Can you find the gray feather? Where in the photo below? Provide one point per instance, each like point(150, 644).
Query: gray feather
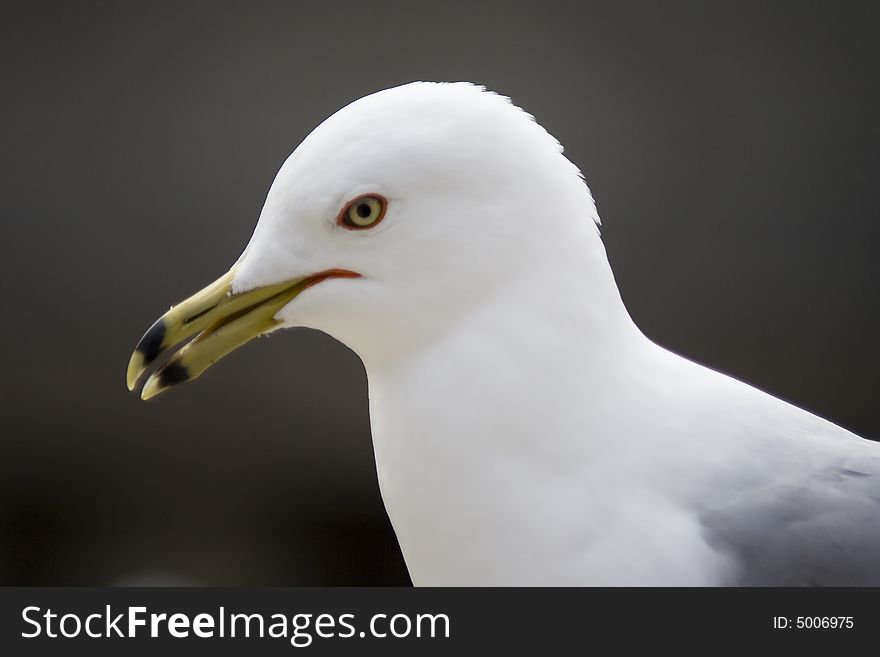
point(819, 530)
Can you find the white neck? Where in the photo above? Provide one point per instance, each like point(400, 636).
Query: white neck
point(456, 423)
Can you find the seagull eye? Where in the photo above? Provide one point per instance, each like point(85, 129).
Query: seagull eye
point(363, 212)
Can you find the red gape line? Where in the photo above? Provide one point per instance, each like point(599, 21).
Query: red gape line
point(314, 279)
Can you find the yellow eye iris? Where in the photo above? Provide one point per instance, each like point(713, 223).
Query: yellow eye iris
point(363, 212)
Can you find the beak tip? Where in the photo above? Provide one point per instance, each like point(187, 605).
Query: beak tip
point(151, 388)
point(135, 369)
point(162, 379)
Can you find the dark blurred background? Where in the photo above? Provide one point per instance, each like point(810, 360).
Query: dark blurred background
point(733, 149)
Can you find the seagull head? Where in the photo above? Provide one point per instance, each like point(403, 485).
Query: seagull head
point(396, 217)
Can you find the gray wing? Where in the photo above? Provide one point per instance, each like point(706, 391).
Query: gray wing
point(821, 529)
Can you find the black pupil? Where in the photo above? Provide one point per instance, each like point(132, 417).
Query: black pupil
point(364, 210)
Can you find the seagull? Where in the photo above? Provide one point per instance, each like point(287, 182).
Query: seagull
point(526, 432)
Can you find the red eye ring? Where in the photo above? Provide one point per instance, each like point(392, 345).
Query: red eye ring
point(362, 212)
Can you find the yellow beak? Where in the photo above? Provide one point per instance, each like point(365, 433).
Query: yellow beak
point(220, 321)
